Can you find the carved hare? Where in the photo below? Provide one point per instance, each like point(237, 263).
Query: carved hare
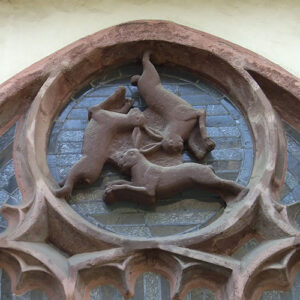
point(150, 181)
point(183, 121)
point(102, 128)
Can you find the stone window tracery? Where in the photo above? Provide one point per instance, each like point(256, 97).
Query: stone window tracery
point(55, 246)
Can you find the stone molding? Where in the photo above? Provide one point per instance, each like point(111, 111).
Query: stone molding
point(49, 246)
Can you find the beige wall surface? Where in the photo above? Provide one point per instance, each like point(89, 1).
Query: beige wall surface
point(33, 29)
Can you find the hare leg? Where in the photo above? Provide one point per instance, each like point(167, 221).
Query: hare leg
point(127, 192)
point(83, 170)
point(227, 189)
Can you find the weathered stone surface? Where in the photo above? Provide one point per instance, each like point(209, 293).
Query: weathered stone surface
point(245, 248)
point(224, 159)
point(82, 92)
point(254, 83)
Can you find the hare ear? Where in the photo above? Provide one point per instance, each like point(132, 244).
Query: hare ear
point(90, 113)
point(136, 137)
point(150, 148)
point(155, 134)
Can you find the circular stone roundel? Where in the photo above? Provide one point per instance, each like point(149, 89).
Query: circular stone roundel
point(75, 72)
point(105, 130)
point(68, 246)
point(183, 213)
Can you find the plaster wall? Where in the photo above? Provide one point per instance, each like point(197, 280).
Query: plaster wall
point(33, 29)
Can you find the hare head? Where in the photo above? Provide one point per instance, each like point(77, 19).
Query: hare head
point(172, 143)
point(137, 141)
point(137, 118)
point(129, 158)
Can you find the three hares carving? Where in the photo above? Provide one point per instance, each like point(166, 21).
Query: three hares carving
point(183, 122)
point(104, 124)
point(150, 181)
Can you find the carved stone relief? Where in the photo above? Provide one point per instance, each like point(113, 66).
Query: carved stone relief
point(105, 139)
point(47, 245)
point(187, 211)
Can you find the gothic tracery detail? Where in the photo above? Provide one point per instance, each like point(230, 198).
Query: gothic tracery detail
point(48, 245)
